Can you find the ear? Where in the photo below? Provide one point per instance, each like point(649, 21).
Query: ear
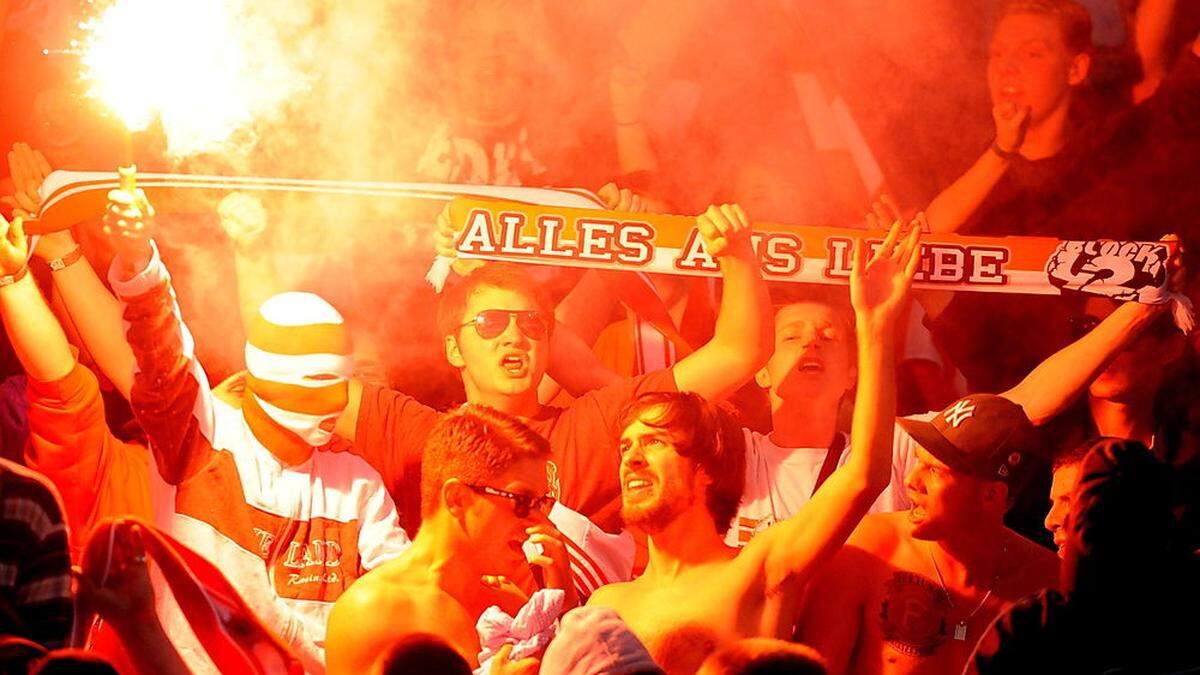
point(453, 355)
point(456, 497)
point(1081, 65)
point(762, 378)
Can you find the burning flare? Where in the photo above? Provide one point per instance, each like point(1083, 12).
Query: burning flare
point(205, 69)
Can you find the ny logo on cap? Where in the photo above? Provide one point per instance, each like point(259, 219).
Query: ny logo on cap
point(959, 412)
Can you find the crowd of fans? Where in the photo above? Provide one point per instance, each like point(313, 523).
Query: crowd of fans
point(736, 477)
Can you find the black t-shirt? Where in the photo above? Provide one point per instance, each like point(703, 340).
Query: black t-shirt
point(1129, 176)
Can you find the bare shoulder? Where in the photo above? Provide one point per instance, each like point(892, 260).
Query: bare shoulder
point(879, 532)
point(370, 615)
point(610, 595)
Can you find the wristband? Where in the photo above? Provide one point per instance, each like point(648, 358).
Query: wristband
point(10, 279)
point(1004, 154)
point(65, 261)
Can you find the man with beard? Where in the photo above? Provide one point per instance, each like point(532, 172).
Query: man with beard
point(682, 472)
point(483, 495)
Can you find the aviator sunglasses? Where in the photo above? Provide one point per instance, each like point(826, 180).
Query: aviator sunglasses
point(523, 505)
point(492, 322)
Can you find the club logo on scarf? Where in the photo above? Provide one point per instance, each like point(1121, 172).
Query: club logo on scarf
point(1121, 270)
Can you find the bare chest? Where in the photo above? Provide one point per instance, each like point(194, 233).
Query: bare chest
point(684, 621)
point(913, 624)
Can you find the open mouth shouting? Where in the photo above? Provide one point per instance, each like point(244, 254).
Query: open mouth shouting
point(810, 365)
point(515, 364)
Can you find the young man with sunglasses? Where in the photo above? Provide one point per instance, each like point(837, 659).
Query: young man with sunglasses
point(499, 334)
point(483, 499)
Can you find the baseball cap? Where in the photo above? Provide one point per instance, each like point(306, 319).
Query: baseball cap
point(982, 435)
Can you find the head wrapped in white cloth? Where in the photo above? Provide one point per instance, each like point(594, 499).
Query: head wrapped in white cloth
point(298, 360)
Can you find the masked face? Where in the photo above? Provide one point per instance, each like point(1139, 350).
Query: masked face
point(297, 366)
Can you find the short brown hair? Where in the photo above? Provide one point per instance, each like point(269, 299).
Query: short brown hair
point(475, 444)
point(505, 276)
point(708, 435)
point(1073, 19)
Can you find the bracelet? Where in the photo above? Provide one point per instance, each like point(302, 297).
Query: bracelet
point(1004, 154)
point(65, 261)
point(10, 279)
point(628, 124)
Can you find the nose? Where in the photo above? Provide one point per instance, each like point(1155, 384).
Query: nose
point(913, 481)
point(633, 458)
point(1053, 517)
point(512, 335)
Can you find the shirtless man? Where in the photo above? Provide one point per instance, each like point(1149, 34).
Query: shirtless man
point(483, 493)
point(682, 472)
point(912, 592)
point(907, 618)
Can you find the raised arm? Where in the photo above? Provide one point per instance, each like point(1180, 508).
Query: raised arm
point(955, 205)
point(170, 397)
point(743, 337)
point(1055, 383)
point(36, 337)
point(91, 308)
point(1152, 24)
point(879, 290)
point(244, 219)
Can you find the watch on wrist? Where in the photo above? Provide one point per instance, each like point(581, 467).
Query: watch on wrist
point(10, 279)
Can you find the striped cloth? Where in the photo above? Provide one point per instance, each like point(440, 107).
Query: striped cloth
point(35, 563)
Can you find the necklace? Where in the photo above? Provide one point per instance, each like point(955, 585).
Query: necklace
point(960, 628)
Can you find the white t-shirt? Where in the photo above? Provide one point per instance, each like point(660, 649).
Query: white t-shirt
point(780, 480)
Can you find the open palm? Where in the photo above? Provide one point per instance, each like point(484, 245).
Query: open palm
point(880, 287)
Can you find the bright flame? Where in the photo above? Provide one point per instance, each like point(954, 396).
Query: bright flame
point(205, 68)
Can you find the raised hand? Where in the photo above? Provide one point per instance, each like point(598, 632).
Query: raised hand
point(28, 168)
point(127, 223)
point(726, 231)
point(1011, 123)
point(555, 564)
point(243, 218)
point(879, 288)
point(620, 199)
point(14, 247)
point(443, 242)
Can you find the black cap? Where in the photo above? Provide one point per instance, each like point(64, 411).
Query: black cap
point(981, 435)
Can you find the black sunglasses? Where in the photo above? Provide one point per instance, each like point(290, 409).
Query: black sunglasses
point(492, 322)
point(522, 504)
